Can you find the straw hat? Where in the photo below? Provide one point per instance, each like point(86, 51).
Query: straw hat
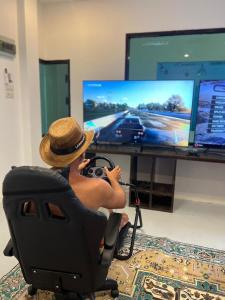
point(64, 142)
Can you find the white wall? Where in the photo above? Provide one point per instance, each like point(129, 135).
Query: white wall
point(29, 80)
point(92, 34)
point(11, 148)
point(20, 123)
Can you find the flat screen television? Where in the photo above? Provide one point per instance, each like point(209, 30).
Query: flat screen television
point(210, 125)
point(155, 112)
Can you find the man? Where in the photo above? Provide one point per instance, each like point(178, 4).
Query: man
point(65, 145)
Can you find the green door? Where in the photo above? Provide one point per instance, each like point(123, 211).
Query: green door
point(55, 91)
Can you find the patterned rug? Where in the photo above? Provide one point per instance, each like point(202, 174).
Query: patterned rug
point(159, 269)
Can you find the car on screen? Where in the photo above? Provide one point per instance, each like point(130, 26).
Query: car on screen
point(130, 127)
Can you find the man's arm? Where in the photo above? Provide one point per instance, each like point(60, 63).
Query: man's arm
point(113, 196)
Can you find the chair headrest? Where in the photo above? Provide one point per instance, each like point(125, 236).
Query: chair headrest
point(28, 179)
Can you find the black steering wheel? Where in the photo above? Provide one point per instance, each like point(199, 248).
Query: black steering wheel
point(95, 171)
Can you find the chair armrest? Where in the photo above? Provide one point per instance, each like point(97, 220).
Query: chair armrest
point(107, 257)
point(8, 251)
point(110, 238)
point(112, 230)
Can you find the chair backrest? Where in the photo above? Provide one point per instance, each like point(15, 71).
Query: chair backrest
point(54, 251)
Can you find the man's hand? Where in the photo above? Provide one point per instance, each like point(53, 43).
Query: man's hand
point(84, 163)
point(113, 175)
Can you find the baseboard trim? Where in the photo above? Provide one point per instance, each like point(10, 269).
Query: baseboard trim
point(185, 197)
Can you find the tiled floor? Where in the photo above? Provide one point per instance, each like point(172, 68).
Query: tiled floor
point(192, 222)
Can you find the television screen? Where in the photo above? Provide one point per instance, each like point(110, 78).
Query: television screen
point(210, 125)
point(140, 112)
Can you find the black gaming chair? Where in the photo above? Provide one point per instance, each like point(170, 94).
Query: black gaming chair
point(57, 252)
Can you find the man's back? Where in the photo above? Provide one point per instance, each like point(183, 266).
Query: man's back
point(95, 192)
point(88, 190)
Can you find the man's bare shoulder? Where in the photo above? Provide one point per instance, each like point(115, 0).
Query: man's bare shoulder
point(97, 182)
point(96, 192)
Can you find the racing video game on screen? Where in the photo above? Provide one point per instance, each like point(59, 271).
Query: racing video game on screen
point(139, 112)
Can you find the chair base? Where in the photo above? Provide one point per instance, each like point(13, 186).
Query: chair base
point(73, 296)
point(31, 290)
point(109, 285)
point(112, 285)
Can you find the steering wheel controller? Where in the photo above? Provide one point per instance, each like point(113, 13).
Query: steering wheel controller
point(91, 170)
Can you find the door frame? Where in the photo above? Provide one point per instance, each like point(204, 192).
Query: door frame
point(60, 61)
